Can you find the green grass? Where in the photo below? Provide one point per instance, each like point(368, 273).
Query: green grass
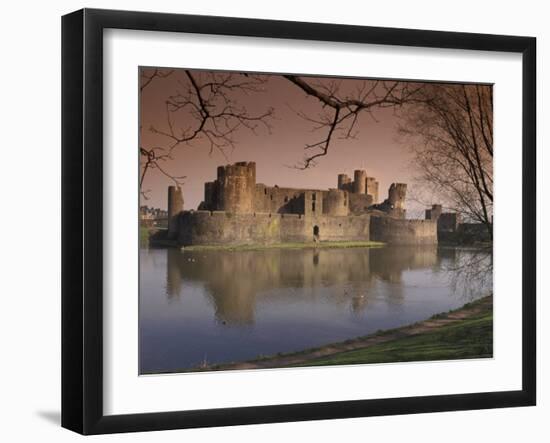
point(291, 245)
point(467, 334)
point(465, 337)
point(468, 338)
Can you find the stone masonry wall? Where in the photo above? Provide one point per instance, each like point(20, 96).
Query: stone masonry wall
point(403, 232)
point(221, 228)
point(336, 202)
point(359, 203)
point(278, 200)
point(225, 228)
point(339, 228)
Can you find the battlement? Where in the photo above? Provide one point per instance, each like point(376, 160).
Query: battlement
point(362, 184)
point(242, 169)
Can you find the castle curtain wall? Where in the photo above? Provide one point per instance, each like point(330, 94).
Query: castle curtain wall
point(403, 232)
point(226, 228)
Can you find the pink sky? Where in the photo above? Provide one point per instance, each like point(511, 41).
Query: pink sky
point(375, 148)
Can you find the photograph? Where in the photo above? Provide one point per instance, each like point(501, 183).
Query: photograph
point(275, 221)
point(298, 220)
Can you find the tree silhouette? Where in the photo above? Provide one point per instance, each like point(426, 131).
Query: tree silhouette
point(450, 132)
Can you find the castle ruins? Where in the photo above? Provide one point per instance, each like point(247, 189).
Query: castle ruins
point(238, 210)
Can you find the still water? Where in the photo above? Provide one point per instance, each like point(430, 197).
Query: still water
point(222, 306)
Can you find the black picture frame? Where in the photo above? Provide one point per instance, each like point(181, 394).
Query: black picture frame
point(82, 218)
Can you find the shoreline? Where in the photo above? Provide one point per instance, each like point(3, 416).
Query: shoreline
point(462, 333)
point(287, 245)
point(156, 238)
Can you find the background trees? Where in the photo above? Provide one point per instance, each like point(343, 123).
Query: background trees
point(450, 132)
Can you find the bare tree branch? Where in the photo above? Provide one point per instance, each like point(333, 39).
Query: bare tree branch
point(152, 161)
point(146, 78)
point(342, 108)
point(450, 135)
point(205, 109)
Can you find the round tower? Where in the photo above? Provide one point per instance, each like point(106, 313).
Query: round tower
point(236, 187)
point(359, 181)
point(175, 206)
point(343, 180)
point(336, 202)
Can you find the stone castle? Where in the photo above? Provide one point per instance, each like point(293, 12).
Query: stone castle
point(237, 210)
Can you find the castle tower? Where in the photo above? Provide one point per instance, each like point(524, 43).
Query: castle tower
point(210, 196)
point(345, 183)
point(359, 181)
point(236, 186)
point(175, 206)
point(372, 189)
point(336, 202)
point(397, 194)
point(343, 180)
point(434, 213)
point(313, 203)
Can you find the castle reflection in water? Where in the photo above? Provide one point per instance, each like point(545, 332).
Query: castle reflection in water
point(236, 281)
point(223, 306)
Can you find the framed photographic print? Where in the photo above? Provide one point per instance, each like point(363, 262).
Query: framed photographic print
point(270, 221)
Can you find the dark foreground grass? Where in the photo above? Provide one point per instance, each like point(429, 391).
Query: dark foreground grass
point(467, 338)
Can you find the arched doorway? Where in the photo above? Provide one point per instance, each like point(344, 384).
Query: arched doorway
point(316, 233)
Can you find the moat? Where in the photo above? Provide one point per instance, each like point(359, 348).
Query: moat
point(208, 307)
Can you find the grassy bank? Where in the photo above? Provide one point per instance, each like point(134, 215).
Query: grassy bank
point(310, 245)
point(463, 333)
point(468, 338)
